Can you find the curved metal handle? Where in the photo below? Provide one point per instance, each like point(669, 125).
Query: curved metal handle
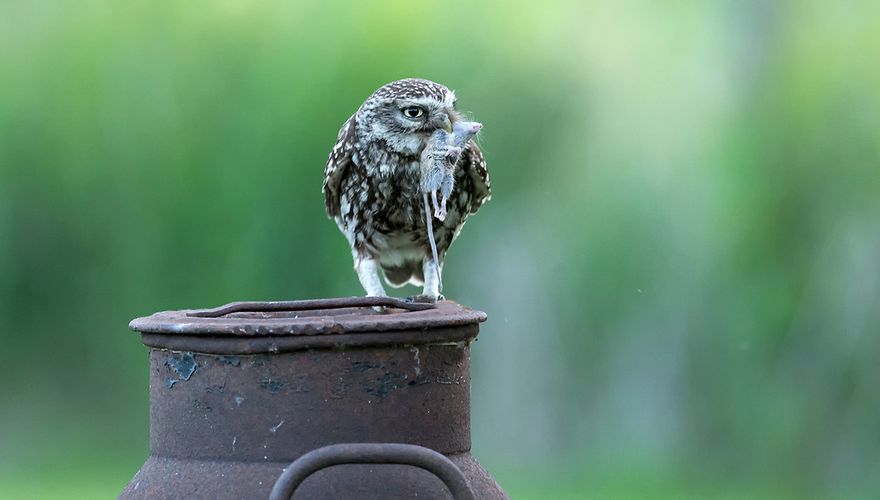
point(372, 453)
point(311, 304)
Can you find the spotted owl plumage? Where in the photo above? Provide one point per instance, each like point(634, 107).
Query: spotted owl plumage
point(372, 184)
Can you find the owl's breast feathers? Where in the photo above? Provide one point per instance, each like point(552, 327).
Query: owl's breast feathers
point(373, 193)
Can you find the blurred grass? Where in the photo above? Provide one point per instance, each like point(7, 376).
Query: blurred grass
point(91, 482)
point(91, 485)
point(679, 262)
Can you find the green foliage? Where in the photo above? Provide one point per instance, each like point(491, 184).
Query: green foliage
point(680, 262)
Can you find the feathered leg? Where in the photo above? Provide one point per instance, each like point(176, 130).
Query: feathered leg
point(433, 283)
point(368, 274)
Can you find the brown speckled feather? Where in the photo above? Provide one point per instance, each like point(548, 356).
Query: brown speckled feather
point(474, 165)
point(337, 166)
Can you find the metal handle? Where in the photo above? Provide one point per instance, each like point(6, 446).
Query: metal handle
point(372, 453)
point(311, 304)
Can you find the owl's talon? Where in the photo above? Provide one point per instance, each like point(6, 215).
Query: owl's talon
point(424, 299)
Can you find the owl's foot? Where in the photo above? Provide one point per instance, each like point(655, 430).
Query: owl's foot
point(425, 299)
point(380, 309)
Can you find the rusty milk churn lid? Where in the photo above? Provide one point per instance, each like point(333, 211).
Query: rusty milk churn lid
point(272, 327)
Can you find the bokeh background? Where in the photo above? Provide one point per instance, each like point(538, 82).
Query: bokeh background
point(681, 262)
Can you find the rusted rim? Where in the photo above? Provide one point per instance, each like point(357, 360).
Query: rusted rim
point(210, 344)
point(344, 315)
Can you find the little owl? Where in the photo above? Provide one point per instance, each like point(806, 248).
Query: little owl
point(372, 185)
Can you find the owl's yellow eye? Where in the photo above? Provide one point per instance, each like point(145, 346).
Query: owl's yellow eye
point(413, 112)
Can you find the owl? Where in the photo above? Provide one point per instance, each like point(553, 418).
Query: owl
point(372, 185)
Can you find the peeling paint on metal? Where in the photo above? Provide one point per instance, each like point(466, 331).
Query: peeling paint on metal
point(271, 385)
point(230, 360)
point(363, 366)
point(275, 428)
point(384, 385)
point(418, 367)
point(183, 364)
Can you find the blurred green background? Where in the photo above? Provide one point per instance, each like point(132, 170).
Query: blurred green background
point(681, 262)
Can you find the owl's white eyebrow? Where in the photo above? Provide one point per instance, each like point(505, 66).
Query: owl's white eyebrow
point(425, 102)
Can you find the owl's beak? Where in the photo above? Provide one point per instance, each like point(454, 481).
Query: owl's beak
point(447, 123)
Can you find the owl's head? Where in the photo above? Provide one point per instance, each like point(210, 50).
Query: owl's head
point(404, 114)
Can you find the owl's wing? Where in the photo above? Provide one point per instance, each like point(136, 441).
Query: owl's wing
point(337, 164)
point(473, 163)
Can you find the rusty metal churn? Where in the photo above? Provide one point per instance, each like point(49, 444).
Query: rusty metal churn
point(311, 399)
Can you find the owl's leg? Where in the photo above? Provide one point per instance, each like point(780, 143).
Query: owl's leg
point(368, 274)
point(433, 283)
